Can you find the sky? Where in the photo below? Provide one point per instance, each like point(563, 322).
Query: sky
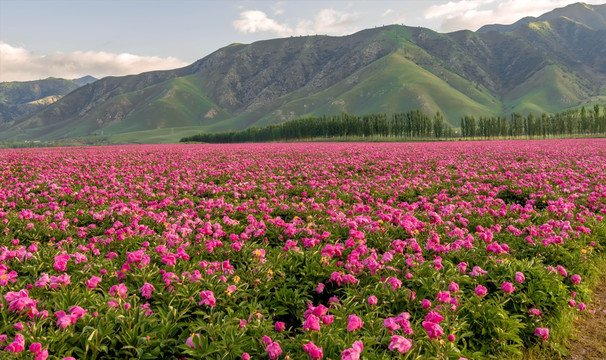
point(74, 38)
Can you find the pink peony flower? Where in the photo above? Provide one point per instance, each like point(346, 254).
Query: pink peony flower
point(35, 348)
point(576, 279)
point(274, 350)
point(372, 300)
point(279, 326)
point(77, 312)
point(16, 346)
point(354, 323)
point(44, 279)
point(434, 316)
point(328, 319)
point(63, 320)
point(507, 287)
point(61, 262)
point(208, 298)
point(426, 304)
point(119, 290)
point(146, 290)
point(433, 330)
point(42, 355)
point(354, 352)
point(443, 297)
point(313, 351)
point(481, 290)
point(535, 312)
point(391, 324)
point(312, 323)
point(543, 333)
point(92, 282)
point(453, 287)
point(320, 288)
point(190, 341)
point(520, 277)
point(400, 343)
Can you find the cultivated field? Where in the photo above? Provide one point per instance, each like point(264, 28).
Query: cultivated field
point(320, 250)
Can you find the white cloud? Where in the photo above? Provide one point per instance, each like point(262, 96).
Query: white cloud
point(19, 64)
point(252, 21)
point(454, 8)
point(387, 12)
point(326, 21)
point(472, 14)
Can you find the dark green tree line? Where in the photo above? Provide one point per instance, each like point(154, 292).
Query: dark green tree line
point(416, 124)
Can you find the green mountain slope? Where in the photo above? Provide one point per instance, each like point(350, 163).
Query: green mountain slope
point(545, 64)
point(20, 98)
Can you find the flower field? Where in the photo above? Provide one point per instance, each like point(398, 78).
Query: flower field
point(452, 250)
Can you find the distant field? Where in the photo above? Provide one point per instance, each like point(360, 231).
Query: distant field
point(473, 250)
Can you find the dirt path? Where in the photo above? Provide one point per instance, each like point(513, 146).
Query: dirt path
point(590, 329)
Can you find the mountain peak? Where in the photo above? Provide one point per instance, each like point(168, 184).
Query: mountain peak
point(84, 80)
point(593, 16)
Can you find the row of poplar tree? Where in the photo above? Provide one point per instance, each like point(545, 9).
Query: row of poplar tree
point(415, 124)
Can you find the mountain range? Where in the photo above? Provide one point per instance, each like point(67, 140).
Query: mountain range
point(22, 98)
point(546, 64)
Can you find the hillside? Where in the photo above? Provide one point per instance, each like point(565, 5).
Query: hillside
point(20, 98)
point(545, 64)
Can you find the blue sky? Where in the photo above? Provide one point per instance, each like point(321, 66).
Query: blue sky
point(72, 38)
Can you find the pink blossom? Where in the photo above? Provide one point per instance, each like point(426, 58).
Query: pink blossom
point(434, 316)
point(372, 300)
point(59, 281)
point(61, 262)
point(576, 279)
point(520, 277)
point(481, 290)
point(119, 290)
point(400, 343)
point(320, 288)
point(391, 324)
point(77, 312)
point(279, 326)
point(354, 323)
point(426, 304)
point(17, 345)
point(92, 282)
point(35, 348)
point(44, 279)
point(146, 290)
point(443, 297)
point(535, 312)
point(42, 355)
point(433, 330)
point(312, 323)
point(208, 298)
point(313, 351)
point(190, 341)
point(543, 333)
point(354, 352)
point(274, 350)
point(507, 287)
point(328, 319)
point(63, 320)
